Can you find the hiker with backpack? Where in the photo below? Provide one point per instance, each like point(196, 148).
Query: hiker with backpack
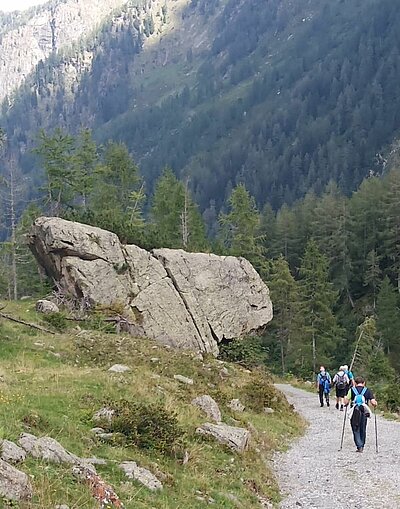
point(341, 382)
point(323, 385)
point(350, 376)
point(360, 397)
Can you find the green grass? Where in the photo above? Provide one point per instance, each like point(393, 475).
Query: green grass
point(56, 395)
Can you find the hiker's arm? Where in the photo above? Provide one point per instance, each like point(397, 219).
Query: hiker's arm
point(373, 402)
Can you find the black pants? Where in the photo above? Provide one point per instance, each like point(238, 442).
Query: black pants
point(360, 431)
point(321, 395)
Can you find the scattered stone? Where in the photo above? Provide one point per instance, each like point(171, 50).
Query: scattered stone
point(224, 373)
point(155, 359)
point(184, 379)
point(104, 415)
point(268, 410)
point(209, 406)
point(11, 453)
point(62, 506)
point(46, 448)
point(119, 368)
point(14, 484)
point(97, 430)
point(142, 475)
point(39, 343)
point(236, 405)
point(93, 461)
point(101, 491)
point(235, 438)
point(46, 307)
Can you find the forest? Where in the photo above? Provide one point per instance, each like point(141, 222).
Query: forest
point(332, 262)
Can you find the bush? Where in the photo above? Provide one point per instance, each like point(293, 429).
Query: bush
point(248, 352)
point(57, 320)
point(148, 426)
point(260, 393)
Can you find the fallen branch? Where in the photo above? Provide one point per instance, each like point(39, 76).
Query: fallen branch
point(28, 324)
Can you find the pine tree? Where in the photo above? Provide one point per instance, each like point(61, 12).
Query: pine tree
point(176, 220)
point(317, 299)
point(391, 232)
point(240, 228)
point(285, 297)
point(372, 276)
point(388, 321)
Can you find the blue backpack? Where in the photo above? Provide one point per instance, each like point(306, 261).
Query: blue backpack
point(324, 381)
point(359, 398)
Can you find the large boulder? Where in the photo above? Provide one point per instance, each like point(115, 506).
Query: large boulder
point(186, 300)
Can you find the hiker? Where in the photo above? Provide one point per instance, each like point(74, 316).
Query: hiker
point(341, 383)
point(323, 385)
point(350, 375)
point(360, 397)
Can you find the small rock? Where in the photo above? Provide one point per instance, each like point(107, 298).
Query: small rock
point(142, 475)
point(104, 415)
point(97, 430)
point(184, 379)
point(268, 410)
point(235, 438)
point(119, 368)
point(46, 307)
point(11, 453)
point(236, 405)
point(38, 343)
point(94, 461)
point(155, 359)
point(46, 448)
point(224, 373)
point(209, 406)
point(62, 506)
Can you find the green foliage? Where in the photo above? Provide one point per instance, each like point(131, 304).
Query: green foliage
point(57, 320)
point(148, 426)
point(248, 352)
point(260, 393)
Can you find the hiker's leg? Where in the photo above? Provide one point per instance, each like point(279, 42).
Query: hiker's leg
point(321, 395)
point(363, 430)
point(357, 436)
point(327, 398)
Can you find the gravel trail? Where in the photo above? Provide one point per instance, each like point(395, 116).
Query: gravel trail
point(314, 474)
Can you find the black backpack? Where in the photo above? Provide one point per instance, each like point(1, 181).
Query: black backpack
point(341, 382)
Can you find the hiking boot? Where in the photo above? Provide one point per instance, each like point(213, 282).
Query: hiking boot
point(341, 408)
point(327, 403)
point(360, 449)
point(337, 406)
point(322, 404)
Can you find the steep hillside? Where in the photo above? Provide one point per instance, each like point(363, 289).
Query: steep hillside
point(52, 385)
point(278, 94)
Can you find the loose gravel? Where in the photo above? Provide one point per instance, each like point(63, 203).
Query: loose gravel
point(314, 474)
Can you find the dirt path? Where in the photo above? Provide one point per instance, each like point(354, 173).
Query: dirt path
point(314, 474)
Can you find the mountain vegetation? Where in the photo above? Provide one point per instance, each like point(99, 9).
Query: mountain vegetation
point(262, 129)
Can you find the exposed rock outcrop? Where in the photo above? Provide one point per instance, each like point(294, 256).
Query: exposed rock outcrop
point(142, 475)
point(209, 406)
point(186, 300)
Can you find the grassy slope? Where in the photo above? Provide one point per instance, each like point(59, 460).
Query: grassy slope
point(47, 394)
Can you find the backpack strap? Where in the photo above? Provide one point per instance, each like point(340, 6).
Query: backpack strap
point(355, 391)
point(363, 391)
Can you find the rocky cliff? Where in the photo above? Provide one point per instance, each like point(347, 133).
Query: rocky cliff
point(186, 300)
point(54, 27)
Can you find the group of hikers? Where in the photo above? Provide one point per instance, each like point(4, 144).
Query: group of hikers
point(351, 391)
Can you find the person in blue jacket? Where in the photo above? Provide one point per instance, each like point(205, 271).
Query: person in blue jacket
point(323, 384)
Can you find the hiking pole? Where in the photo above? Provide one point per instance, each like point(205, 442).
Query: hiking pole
point(344, 424)
point(376, 433)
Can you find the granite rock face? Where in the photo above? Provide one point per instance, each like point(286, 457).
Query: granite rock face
point(186, 300)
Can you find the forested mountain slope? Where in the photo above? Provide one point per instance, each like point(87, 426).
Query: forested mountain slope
point(280, 95)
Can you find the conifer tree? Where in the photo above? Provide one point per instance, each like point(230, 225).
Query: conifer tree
point(240, 228)
point(285, 298)
point(391, 232)
point(372, 276)
point(176, 220)
point(388, 320)
point(317, 298)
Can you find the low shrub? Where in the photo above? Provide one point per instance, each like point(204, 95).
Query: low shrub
point(148, 426)
point(248, 352)
point(57, 320)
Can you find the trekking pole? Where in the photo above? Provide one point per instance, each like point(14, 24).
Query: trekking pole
point(376, 433)
point(344, 424)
